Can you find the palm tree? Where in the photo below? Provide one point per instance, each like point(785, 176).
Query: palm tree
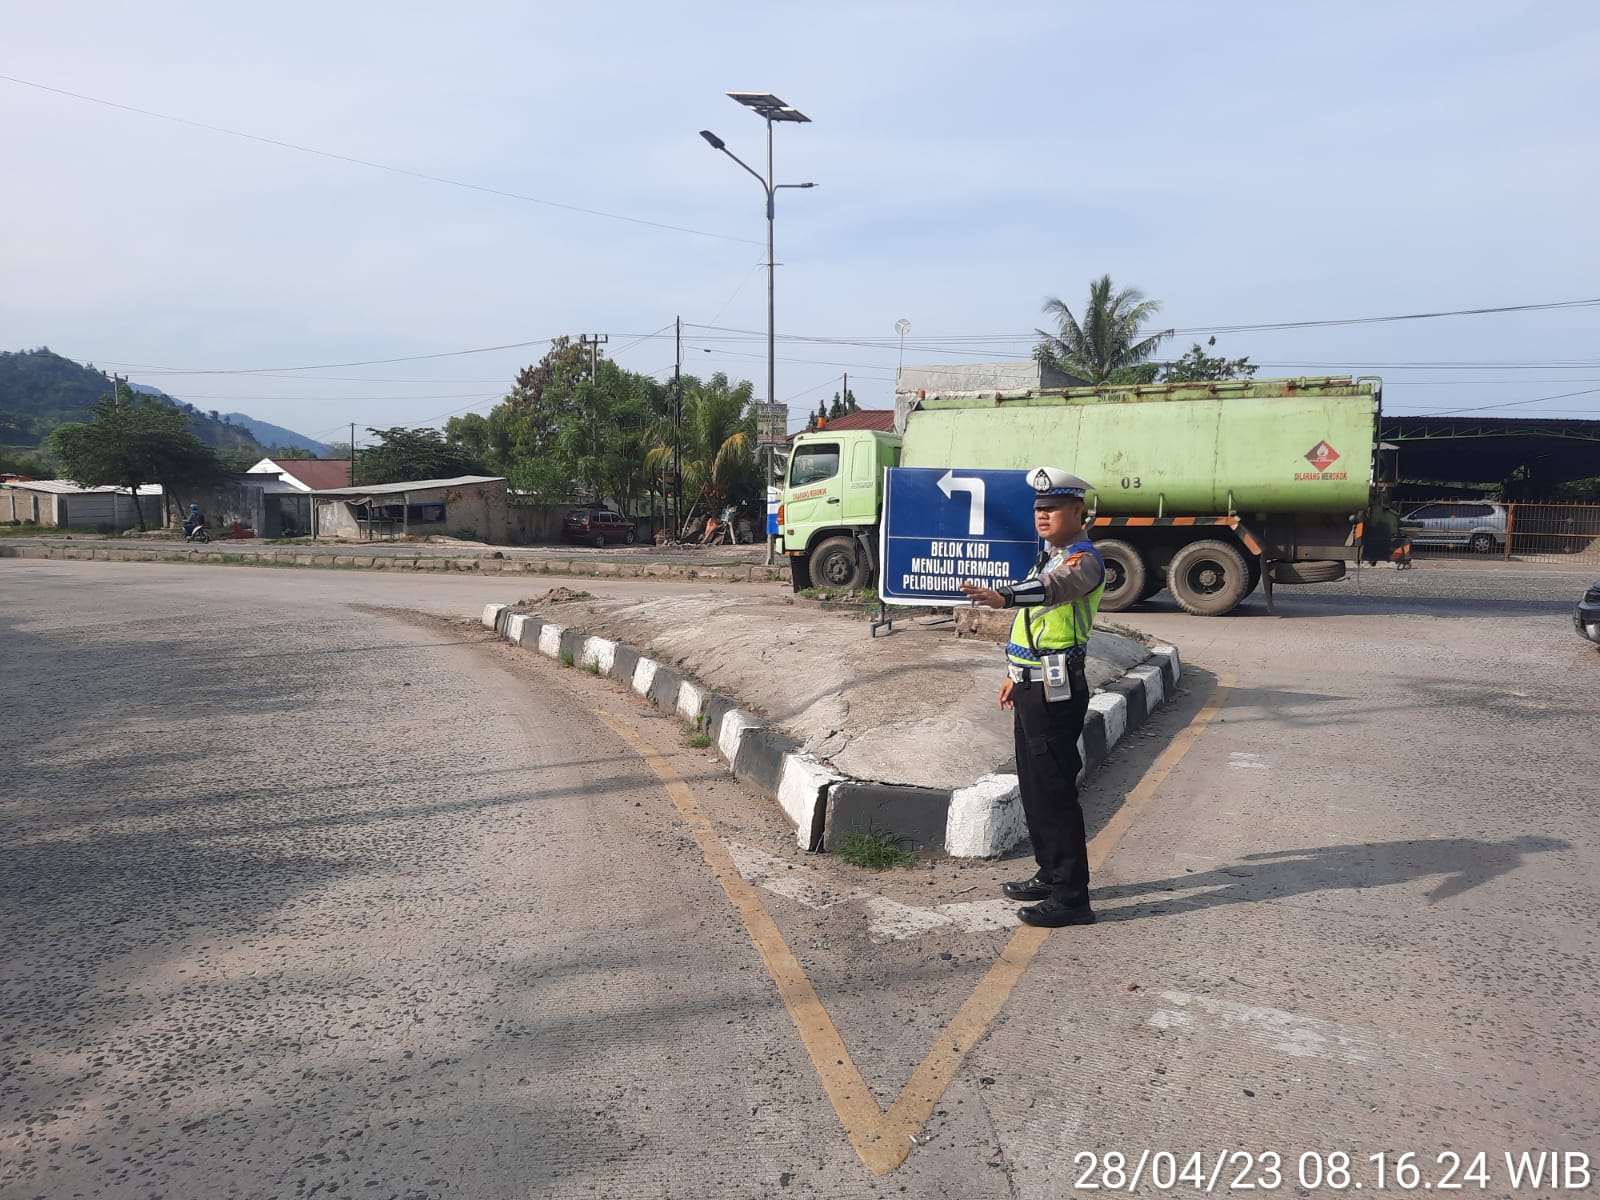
point(1108, 343)
point(715, 444)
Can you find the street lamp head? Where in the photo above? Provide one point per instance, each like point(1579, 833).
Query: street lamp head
point(713, 140)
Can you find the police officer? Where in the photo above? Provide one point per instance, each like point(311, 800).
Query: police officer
point(1047, 692)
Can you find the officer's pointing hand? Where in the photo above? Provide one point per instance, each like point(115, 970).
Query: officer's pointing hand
point(987, 597)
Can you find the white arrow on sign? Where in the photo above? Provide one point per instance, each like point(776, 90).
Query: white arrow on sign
point(949, 482)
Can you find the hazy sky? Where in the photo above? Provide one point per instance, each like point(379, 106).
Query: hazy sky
point(1242, 163)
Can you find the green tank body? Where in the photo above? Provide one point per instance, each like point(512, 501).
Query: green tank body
point(1257, 446)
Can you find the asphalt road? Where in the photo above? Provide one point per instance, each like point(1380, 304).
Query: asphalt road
point(307, 898)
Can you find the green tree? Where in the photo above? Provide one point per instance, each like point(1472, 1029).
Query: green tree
point(717, 456)
point(1198, 366)
point(597, 428)
point(30, 466)
point(561, 433)
point(1109, 345)
point(403, 454)
point(473, 434)
point(134, 440)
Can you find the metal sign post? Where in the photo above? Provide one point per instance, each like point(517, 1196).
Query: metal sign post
point(944, 526)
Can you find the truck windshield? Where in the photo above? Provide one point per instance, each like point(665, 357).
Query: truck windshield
point(813, 464)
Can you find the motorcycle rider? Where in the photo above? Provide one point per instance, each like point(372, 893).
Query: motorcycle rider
point(195, 520)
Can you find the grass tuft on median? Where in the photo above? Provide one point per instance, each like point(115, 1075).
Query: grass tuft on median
point(875, 850)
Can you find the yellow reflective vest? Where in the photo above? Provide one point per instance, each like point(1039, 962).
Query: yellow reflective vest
point(1061, 626)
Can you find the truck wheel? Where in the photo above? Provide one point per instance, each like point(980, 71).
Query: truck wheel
point(1481, 543)
point(835, 564)
point(1126, 575)
point(1322, 570)
point(1208, 578)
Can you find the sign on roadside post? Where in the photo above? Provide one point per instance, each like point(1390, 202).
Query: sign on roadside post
point(772, 424)
point(942, 526)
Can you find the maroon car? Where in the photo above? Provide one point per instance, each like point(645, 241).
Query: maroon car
point(598, 526)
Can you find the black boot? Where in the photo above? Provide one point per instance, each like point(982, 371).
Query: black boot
point(1054, 914)
point(1026, 889)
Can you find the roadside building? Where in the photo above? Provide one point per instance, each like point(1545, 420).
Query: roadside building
point(881, 419)
point(62, 504)
point(974, 379)
point(254, 502)
point(472, 507)
point(307, 474)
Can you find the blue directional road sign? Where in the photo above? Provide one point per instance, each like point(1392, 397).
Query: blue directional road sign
point(942, 526)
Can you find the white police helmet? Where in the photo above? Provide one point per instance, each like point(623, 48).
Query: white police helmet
point(1052, 486)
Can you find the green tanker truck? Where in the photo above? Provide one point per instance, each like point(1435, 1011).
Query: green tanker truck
point(1206, 489)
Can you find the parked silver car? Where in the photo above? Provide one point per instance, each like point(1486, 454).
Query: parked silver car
point(1478, 525)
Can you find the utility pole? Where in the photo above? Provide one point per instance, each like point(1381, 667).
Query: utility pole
point(352, 454)
point(844, 396)
point(594, 342)
point(677, 430)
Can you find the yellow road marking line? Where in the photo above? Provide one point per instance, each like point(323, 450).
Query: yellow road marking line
point(881, 1139)
point(914, 1105)
point(853, 1101)
point(1111, 833)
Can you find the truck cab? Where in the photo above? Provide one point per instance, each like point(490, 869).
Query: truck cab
point(828, 510)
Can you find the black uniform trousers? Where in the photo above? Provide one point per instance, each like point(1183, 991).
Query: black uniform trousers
point(1048, 763)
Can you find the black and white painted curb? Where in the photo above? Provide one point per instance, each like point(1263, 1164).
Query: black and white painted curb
point(978, 821)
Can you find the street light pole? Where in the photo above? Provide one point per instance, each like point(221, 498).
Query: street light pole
point(770, 109)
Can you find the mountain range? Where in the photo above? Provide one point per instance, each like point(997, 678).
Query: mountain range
point(40, 389)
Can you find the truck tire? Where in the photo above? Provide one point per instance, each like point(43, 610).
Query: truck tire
point(1322, 570)
point(1127, 576)
point(835, 564)
point(1208, 578)
point(1482, 543)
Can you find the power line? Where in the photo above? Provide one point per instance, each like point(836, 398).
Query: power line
point(189, 396)
point(958, 343)
point(643, 338)
point(1451, 412)
point(370, 362)
point(937, 342)
point(377, 166)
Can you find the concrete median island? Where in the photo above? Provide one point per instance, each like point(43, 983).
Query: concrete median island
point(896, 753)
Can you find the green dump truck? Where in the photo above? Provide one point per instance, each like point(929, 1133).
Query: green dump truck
point(1206, 489)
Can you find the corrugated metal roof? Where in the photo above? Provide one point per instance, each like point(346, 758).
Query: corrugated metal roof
point(863, 418)
point(412, 485)
point(64, 487)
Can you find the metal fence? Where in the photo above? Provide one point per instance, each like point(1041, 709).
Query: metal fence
point(1526, 532)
